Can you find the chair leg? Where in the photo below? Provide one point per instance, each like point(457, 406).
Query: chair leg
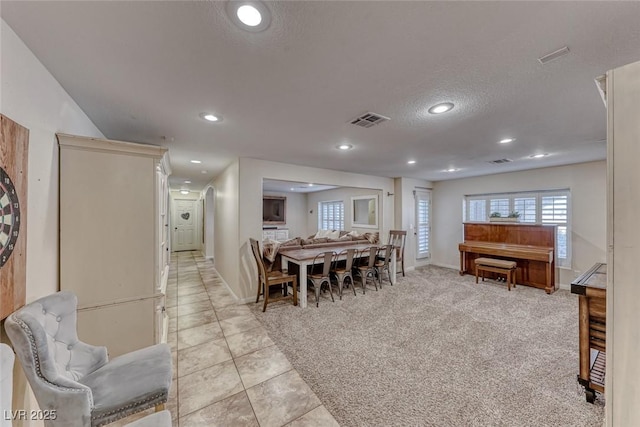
point(373, 279)
point(353, 285)
point(402, 262)
point(331, 292)
point(266, 298)
point(260, 285)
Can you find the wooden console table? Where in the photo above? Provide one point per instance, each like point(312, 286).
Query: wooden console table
point(592, 312)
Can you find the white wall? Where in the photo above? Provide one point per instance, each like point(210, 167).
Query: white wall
point(587, 182)
point(209, 208)
point(252, 172)
point(296, 212)
point(345, 194)
point(226, 222)
point(30, 96)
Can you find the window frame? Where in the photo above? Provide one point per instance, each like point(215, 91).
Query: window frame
point(539, 195)
point(321, 214)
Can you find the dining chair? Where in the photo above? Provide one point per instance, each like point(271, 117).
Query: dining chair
point(319, 274)
point(272, 278)
point(344, 273)
point(382, 262)
point(367, 269)
point(397, 238)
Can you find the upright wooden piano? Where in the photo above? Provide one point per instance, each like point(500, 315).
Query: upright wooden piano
point(531, 246)
point(592, 313)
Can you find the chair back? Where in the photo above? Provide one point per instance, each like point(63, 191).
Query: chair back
point(262, 271)
point(373, 251)
point(324, 258)
point(44, 336)
point(397, 238)
point(348, 255)
point(386, 250)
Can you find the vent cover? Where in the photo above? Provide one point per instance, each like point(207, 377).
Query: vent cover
point(554, 55)
point(500, 161)
point(368, 120)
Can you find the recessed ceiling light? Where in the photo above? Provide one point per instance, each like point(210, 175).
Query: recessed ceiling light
point(310, 185)
point(203, 171)
point(197, 162)
point(210, 117)
point(184, 191)
point(249, 15)
point(411, 162)
point(441, 108)
point(537, 156)
point(345, 147)
point(293, 189)
point(187, 182)
point(451, 170)
point(507, 140)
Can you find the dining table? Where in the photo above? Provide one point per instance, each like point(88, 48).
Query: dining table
point(304, 258)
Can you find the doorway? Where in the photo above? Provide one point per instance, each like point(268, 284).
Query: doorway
point(185, 233)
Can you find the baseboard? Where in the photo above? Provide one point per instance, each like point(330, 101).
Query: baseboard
point(224, 282)
point(452, 267)
point(246, 300)
point(565, 287)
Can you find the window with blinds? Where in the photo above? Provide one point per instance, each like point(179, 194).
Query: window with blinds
point(537, 207)
point(423, 223)
point(331, 215)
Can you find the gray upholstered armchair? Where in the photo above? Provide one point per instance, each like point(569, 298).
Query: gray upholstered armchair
point(77, 379)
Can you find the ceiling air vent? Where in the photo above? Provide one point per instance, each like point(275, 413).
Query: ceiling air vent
point(554, 55)
point(369, 119)
point(500, 161)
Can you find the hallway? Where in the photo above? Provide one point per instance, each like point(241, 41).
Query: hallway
point(227, 371)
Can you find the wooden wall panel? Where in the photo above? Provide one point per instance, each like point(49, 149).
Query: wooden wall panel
point(14, 148)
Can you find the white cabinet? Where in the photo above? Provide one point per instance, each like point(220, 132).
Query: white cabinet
point(623, 235)
point(114, 239)
point(276, 234)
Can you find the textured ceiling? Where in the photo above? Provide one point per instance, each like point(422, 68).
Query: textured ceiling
point(144, 71)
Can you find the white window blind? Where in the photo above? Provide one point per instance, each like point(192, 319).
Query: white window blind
point(555, 210)
point(331, 215)
point(477, 210)
point(526, 207)
point(423, 223)
point(536, 207)
point(500, 206)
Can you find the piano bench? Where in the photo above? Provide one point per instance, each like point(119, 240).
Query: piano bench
point(500, 266)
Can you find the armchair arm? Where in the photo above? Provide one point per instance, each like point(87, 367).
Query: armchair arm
point(69, 403)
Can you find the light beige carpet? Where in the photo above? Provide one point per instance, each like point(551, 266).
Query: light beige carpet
point(439, 350)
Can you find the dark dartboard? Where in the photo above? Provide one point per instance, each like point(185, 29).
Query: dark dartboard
point(9, 217)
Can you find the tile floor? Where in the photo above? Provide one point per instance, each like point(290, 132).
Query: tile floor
point(226, 369)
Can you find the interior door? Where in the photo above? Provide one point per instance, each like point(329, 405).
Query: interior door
point(184, 225)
